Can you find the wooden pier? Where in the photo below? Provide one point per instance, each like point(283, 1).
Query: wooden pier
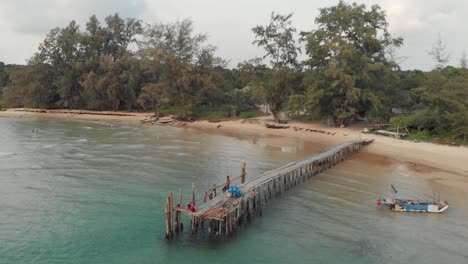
point(221, 213)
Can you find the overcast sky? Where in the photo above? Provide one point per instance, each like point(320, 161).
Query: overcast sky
point(24, 23)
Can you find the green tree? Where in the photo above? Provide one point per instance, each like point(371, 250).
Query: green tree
point(113, 84)
point(463, 60)
point(3, 75)
point(278, 40)
point(349, 73)
point(119, 34)
point(296, 105)
point(181, 62)
point(439, 53)
point(61, 50)
point(29, 87)
point(443, 104)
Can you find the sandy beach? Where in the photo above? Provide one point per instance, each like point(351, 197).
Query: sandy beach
point(440, 164)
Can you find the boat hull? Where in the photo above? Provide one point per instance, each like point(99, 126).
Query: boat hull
point(399, 205)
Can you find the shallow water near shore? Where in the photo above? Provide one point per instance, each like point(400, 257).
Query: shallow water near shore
point(90, 192)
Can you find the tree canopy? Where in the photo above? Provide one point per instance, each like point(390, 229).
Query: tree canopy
point(350, 70)
point(278, 40)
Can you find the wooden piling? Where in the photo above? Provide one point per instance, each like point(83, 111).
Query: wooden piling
point(166, 211)
point(230, 222)
point(169, 216)
point(171, 209)
point(213, 191)
point(243, 174)
point(193, 193)
point(228, 182)
point(178, 213)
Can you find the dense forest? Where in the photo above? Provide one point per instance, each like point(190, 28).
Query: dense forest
point(350, 71)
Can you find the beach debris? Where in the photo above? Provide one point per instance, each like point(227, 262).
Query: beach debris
point(166, 120)
point(391, 134)
point(149, 120)
point(218, 126)
point(273, 126)
point(365, 130)
point(446, 142)
point(215, 120)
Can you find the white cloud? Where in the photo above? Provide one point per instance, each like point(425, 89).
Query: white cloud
point(25, 23)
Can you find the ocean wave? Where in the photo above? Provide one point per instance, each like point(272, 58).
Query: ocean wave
point(169, 147)
point(188, 142)
point(4, 154)
point(183, 154)
point(82, 140)
point(289, 149)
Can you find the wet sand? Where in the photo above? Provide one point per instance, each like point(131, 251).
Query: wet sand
point(443, 166)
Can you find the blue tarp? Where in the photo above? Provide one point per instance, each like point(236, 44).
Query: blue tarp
point(416, 207)
point(235, 192)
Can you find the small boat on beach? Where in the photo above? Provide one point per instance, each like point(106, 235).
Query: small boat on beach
point(412, 205)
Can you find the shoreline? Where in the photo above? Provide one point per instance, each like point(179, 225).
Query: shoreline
point(447, 164)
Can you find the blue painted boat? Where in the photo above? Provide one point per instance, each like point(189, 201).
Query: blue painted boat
point(407, 205)
point(410, 205)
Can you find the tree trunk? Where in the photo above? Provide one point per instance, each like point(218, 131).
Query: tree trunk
point(275, 115)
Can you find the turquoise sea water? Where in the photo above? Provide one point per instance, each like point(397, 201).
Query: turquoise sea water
point(90, 192)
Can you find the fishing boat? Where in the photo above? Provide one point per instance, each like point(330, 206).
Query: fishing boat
point(407, 205)
point(411, 205)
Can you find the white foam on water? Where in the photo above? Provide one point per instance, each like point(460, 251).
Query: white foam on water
point(4, 154)
point(188, 142)
point(82, 140)
point(183, 154)
point(169, 147)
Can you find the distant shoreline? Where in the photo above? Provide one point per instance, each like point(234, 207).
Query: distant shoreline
point(446, 165)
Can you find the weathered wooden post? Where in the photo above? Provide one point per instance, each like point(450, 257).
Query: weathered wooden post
point(169, 216)
point(230, 222)
point(178, 213)
point(228, 182)
point(193, 193)
point(213, 191)
point(192, 222)
point(171, 209)
point(166, 216)
point(243, 174)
